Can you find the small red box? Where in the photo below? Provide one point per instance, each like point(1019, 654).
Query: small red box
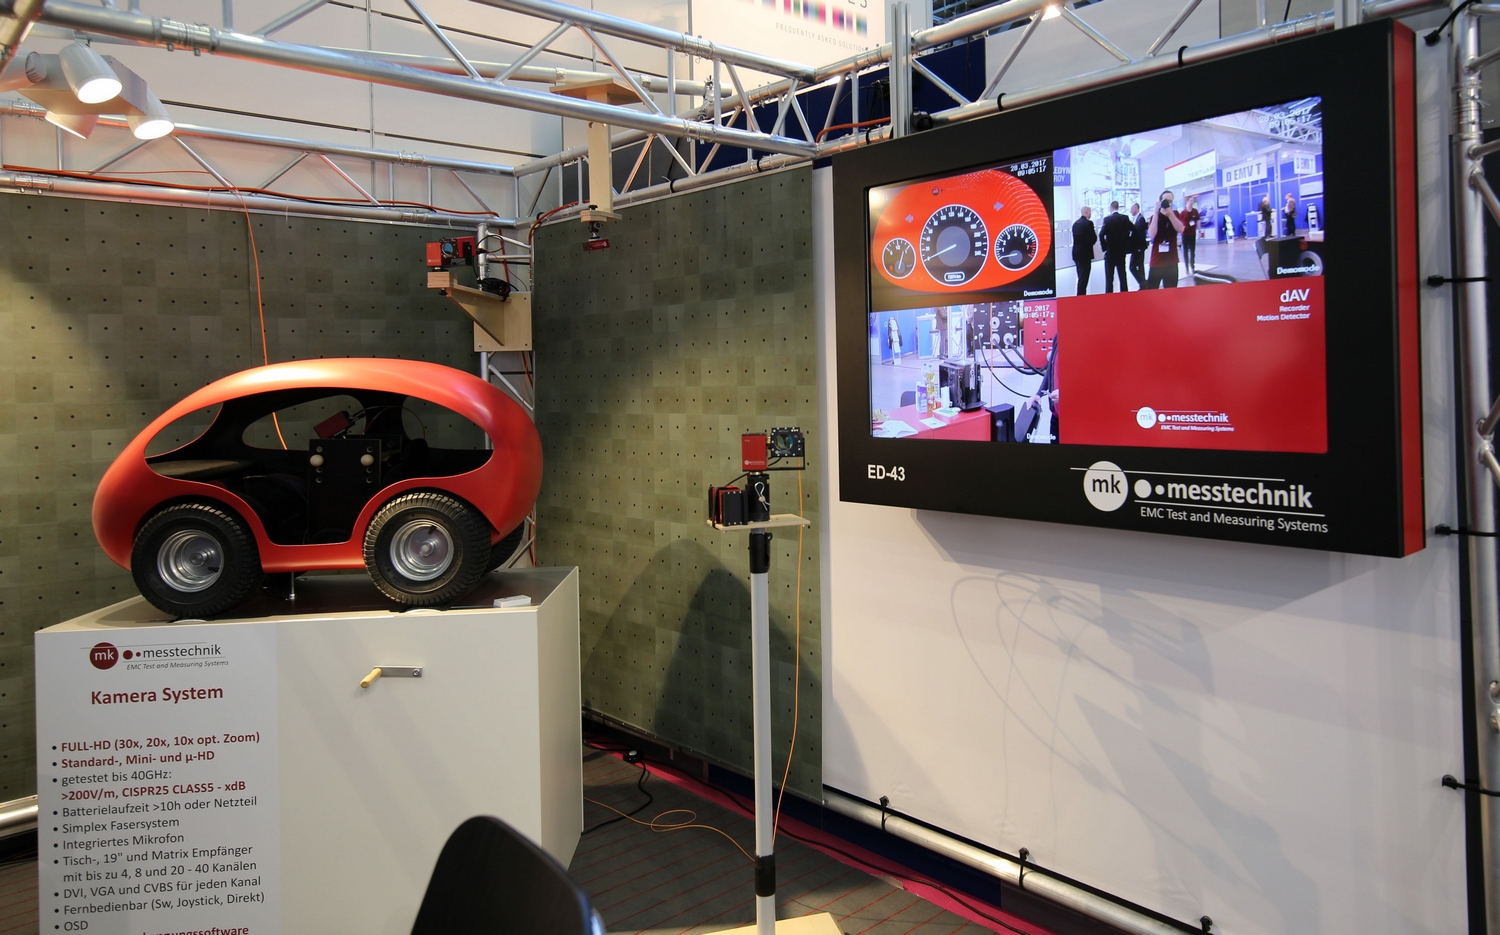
point(753, 452)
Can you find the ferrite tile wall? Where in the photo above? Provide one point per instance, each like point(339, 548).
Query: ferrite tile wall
point(109, 313)
point(653, 357)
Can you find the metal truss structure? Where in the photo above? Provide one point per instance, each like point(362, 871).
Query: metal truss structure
point(701, 118)
point(769, 123)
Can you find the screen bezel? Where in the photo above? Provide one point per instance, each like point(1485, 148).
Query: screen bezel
point(1361, 480)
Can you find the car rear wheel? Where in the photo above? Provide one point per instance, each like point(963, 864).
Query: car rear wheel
point(501, 551)
point(427, 548)
point(195, 560)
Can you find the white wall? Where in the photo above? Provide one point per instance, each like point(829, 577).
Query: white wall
point(1249, 732)
point(1058, 50)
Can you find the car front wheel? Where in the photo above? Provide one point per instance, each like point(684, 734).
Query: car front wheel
point(195, 560)
point(427, 548)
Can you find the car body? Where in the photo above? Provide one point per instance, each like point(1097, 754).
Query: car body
point(260, 486)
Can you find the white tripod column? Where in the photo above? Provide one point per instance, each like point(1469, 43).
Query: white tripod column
point(760, 676)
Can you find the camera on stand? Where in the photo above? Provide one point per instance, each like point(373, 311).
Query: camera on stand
point(779, 449)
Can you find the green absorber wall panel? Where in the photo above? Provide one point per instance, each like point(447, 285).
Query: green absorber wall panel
point(653, 357)
point(109, 313)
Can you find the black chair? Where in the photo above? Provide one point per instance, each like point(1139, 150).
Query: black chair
point(492, 880)
point(909, 398)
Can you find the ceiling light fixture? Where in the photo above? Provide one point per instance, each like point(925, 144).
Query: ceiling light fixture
point(80, 125)
point(1052, 11)
point(90, 77)
point(154, 122)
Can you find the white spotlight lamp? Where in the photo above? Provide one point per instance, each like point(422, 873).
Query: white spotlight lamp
point(80, 125)
point(90, 77)
point(154, 122)
point(1052, 11)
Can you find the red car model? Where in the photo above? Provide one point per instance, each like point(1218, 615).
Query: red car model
point(200, 526)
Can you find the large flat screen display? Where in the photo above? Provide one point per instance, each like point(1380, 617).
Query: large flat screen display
point(1162, 289)
point(1203, 318)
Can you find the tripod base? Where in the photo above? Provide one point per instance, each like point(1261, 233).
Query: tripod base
point(819, 924)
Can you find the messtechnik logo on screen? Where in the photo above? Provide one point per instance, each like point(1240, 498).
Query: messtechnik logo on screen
point(1270, 503)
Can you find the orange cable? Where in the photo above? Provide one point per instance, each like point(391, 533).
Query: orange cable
point(260, 305)
point(656, 824)
point(850, 126)
point(796, 673)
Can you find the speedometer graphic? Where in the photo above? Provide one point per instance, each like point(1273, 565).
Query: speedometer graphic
point(987, 231)
point(955, 243)
point(1015, 248)
point(898, 258)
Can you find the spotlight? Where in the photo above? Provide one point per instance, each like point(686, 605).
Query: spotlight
point(80, 125)
point(154, 122)
point(1052, 12)
point(90, 77)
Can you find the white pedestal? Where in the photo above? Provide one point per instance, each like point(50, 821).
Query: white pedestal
point(368, 782)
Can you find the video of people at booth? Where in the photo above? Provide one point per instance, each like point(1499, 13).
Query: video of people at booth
point(1165, 290)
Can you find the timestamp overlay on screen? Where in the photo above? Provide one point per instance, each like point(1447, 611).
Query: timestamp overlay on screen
point(1161, 290)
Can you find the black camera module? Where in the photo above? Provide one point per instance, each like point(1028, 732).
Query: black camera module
point(787, 443)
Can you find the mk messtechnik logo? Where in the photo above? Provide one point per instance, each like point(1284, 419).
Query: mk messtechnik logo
point(174, 655)
point(1269, 503)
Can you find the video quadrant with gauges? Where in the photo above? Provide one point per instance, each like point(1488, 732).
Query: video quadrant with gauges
point(1159, 289)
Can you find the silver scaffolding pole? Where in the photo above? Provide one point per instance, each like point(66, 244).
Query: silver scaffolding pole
point(1472, 353)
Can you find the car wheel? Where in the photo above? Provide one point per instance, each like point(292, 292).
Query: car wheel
point(195, 560)
point(426, 548)
point(501, 551)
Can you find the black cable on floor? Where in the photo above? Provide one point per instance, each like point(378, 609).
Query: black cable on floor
point(640, 786)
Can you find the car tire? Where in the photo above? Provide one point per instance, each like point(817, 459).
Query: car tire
point(195, 560)
point(501, 551)
point(426, 548)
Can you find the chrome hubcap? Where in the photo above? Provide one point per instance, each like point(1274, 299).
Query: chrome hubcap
point(421, 550)
point(190, 560)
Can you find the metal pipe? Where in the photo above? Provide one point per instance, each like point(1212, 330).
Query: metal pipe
point(1007, 869)
point(1010, 58)
point(361, 189)
point(13, 31)
point(1471, 351)
point(609, 56)
point(18, 816)
point(279, 22)
point(43, 183)
point(653, 35)
point(165, 32)
point(441, 37)
point(116, 157)
point(1478, 63)
point(20, 108)
point(520, 65)
point(980, 21)
point(1307, 25)
point(898, 25)
point(1380, 9)
point(206, 167)
point(1171, 30)
point(1099, 38)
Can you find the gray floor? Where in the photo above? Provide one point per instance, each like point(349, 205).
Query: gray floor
point(695, 881)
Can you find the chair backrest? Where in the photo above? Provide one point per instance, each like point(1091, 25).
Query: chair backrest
point(492, 880)
point(909, 397)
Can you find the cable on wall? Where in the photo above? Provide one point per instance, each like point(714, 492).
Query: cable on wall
point(260, 307)
point(796, 672)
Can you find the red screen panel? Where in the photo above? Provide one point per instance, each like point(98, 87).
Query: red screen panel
point(1243, 368)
